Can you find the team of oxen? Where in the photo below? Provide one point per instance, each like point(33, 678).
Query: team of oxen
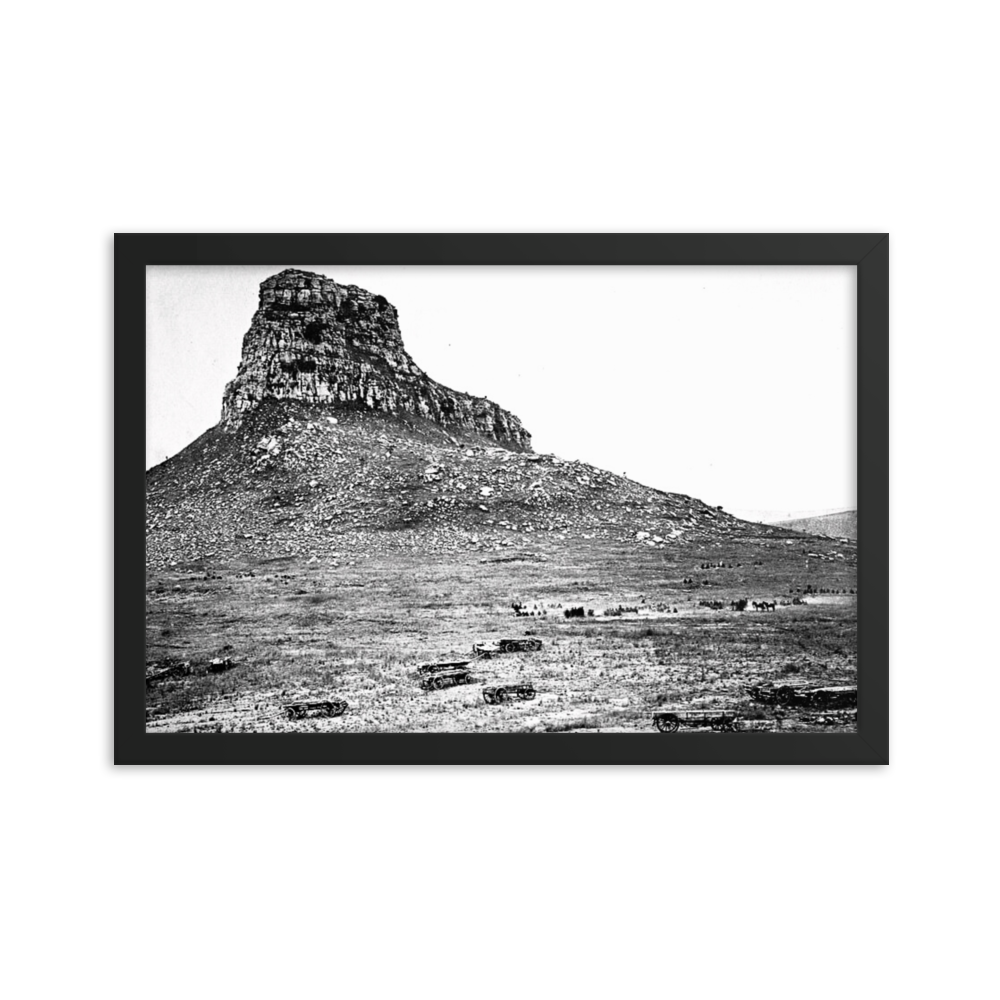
point(743, 602)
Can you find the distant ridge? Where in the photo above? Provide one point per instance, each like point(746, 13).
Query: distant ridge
point(843, 524)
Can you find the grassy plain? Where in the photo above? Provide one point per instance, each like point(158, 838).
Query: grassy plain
point(356, 629)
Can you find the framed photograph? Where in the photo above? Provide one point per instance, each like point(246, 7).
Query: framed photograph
point(433, 498)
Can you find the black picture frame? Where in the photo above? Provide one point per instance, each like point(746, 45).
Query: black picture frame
point(869, 252)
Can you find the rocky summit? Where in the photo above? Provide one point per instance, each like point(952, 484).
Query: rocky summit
point(315, 341)
point(333, 440)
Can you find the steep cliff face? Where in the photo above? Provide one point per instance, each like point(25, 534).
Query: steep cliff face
point(315, 341)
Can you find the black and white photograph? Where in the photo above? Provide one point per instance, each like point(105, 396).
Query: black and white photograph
point(501, 499)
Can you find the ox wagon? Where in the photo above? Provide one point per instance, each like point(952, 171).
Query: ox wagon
point(717, 719)
point(500, 693)
point(805, 697)
point(488, 649)
point(315, 709)
point(437, 680)
point(434, 668)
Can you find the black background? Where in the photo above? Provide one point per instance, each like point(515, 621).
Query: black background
point(869, 251)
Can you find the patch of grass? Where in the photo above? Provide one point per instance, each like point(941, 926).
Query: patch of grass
point(360, 630)
point(584, 722)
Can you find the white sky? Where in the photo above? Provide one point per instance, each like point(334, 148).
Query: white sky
point(735, 385)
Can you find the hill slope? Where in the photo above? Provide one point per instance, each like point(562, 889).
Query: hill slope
point(840, 525)
point(297, 479)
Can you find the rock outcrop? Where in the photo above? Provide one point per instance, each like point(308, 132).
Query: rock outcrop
point(317, 342)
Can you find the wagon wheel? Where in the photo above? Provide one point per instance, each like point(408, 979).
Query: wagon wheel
point(501, 695)
point(439, 683)
point(528, 694)
point(667, 723)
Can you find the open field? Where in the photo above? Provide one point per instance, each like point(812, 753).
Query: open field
point(356, 630)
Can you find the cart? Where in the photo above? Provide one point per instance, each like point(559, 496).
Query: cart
point(315, 709)
point(805, 697)
point(719, 720)
point(487, 649)
point(438, 680)
point(434, 668)
point(499, 693)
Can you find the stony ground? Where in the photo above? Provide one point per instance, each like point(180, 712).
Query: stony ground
point(352, 621)
point(299, 481)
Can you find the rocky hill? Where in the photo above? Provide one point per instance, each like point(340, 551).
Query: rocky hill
point(333, 440)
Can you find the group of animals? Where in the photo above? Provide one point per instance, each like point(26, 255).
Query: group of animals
point(535, 611)
point(579, 612)
point(740, 605)
point(523, 610)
